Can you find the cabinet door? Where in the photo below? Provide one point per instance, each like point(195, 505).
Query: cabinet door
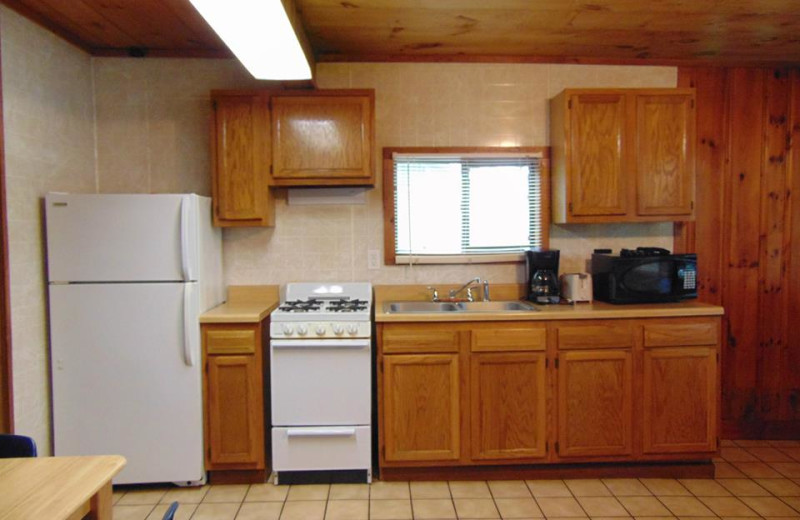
point(508, 405)
point(664, 164)
point(240, 151)
point(421, 413)
point(594, 403)
point(235, 407)
point(322, 140)
point(597, 151)
point(680, 403)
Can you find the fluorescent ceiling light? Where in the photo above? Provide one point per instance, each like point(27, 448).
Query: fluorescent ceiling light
point(259, 33)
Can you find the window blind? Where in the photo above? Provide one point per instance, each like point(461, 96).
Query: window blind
point(482, 204)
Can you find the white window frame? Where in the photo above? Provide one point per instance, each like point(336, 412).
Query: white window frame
point(390, 255)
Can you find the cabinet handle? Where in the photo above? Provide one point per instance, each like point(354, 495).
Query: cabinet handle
point(321, 432)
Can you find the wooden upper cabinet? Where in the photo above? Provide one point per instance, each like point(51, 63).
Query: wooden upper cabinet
point(323, 138)
point(622, 155)
point(421, 408)
point(508, 410)
point(597, 162)
point(240, 160)
point(664, 154)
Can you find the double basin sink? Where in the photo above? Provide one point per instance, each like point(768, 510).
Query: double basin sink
point(457, 307)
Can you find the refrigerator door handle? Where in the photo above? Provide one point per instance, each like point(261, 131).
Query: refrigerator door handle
point(186, 202)
point(188, 326)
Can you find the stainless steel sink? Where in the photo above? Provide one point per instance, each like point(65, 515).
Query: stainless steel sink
point(423, 307)
point(512, 306)
point(461, 307)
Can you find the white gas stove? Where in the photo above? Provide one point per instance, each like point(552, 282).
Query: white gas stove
point(310, 310)
point(321, 387)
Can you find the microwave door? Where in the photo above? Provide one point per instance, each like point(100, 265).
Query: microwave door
point(650, 281)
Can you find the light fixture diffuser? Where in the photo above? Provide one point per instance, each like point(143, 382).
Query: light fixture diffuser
point(260, 34)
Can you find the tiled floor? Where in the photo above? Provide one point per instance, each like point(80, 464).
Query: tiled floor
point(753, 479)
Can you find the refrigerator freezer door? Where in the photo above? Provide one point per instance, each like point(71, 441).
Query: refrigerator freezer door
point(112, 238)
point(122, 378)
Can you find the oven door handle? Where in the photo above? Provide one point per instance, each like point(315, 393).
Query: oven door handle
point(320, 432)
point(320, 343)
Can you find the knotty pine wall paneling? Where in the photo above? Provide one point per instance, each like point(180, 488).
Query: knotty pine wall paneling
point(790, 410)
point(747, 122)
point(774, 244)
point(740, 277)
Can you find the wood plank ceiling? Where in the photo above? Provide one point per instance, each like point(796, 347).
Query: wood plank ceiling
point(721, 32)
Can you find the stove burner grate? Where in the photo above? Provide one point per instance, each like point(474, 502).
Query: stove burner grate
point(346, 305)
point(301, 305)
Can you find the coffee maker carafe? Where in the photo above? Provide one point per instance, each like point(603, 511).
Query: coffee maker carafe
point(541, 267)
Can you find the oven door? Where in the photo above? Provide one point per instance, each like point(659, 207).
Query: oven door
point(320, 382)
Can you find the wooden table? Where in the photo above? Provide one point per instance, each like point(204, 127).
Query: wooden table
point(57, 488)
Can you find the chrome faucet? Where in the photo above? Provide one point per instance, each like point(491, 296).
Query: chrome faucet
point(435, 295)
point(454, 292)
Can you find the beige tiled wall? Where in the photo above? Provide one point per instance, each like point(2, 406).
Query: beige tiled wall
point(153, 137)
point(438, 104)
point(129, 125)
point(49, 146)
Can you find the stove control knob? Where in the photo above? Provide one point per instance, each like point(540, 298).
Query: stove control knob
point(338, 329)
point(302, 330)
point(352, 329)
point(288, 330)
point(320, 330)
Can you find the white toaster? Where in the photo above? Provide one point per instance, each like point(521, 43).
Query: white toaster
point(576, 287)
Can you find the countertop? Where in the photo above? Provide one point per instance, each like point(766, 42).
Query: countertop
point(245, 304)
point(579, 311)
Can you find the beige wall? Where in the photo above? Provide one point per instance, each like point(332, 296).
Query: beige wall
point(153, 136)
point(129, 125)
point(49, 145)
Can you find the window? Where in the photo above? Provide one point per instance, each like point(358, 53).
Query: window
point(464, 205)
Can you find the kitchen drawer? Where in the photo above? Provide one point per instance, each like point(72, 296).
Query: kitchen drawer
point(324, 448)
point(509, 339)
point(414, 338)
point(230, 341)
point(681, 332)
point(609, 334)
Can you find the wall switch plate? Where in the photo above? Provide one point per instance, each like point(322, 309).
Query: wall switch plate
point(373, 259)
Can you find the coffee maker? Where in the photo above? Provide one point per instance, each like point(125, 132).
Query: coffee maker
point(541, 268)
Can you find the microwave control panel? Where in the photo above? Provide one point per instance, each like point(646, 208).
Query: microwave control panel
point(689, 275)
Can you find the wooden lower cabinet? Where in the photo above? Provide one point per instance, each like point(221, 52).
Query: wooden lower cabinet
point(234, 390)
point(234, 397)
point(421, 407)
point(505, 394)
point(595, 393)
point(680, 417)
point(508, 406)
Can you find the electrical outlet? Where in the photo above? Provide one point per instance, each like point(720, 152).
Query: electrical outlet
point(373, 259)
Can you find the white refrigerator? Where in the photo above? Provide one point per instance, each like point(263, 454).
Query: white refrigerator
point(128, 277)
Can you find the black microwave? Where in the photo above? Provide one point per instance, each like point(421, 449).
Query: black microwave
point(644, 275)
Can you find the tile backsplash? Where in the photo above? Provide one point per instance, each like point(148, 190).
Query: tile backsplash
point(152, 126)
point(421, 104)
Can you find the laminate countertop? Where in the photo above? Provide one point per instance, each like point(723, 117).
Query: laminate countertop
point(245, 304)
point(512, 292)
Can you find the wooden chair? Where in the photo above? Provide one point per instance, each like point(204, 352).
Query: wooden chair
point(16, 446)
